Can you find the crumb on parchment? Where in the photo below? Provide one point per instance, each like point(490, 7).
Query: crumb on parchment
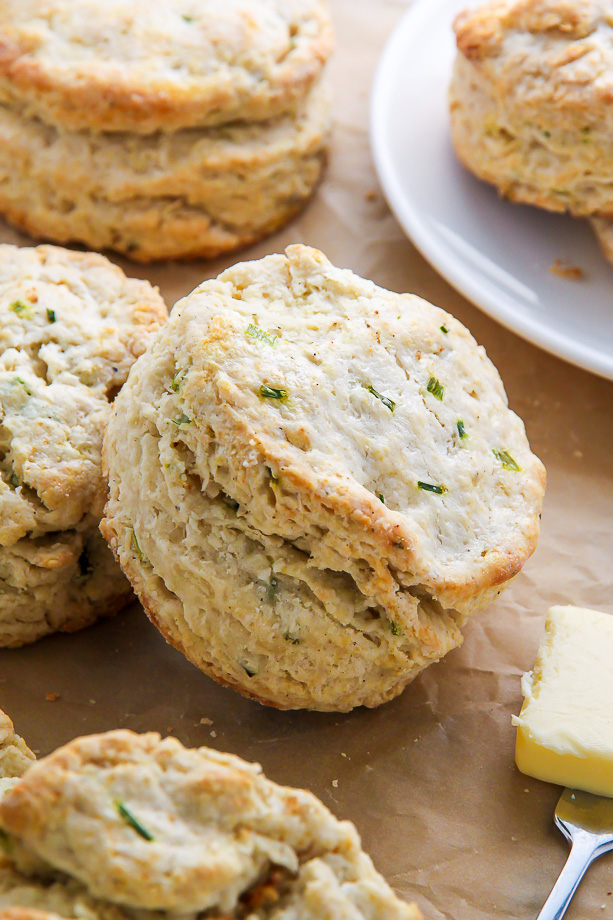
point(51, 696)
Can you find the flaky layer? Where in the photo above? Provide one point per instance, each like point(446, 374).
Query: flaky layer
point(187, 194)
point(148, 65)
point(60, 582)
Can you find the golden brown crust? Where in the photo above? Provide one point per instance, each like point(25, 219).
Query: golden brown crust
point(153, 66)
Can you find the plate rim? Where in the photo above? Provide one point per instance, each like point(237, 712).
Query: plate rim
point(408, 216)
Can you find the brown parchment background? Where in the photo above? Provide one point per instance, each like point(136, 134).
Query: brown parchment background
point(429, 779)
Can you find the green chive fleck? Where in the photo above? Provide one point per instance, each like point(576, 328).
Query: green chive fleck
point(177, 380)
point(21, 309)
point(428, 487)
point(290, 638)
point(381, 497)
point(51, 315)
point(138, 550)
point(21, 382)
point(230, 502)
point(14, 481)
point(130, 820)
point(254, 332)
point(387, 402)
point(271, 590)
point(267, 392)
point(436, 388)
point(444, 329)
point(461, 429)
point(188, 18)
point(507, 460)
point(6, 843)
point(182, 420)
point(396, 631)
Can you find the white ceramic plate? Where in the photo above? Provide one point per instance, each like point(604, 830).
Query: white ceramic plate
point(495, 253)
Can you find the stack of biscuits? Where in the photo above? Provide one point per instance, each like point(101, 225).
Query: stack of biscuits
point(530, 104)
point(159, 129)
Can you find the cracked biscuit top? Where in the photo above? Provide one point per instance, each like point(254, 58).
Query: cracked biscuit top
point(148, 65)
point(146, 824)
point(71, 326)
point(548, 63)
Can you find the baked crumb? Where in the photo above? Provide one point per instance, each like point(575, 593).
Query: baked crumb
point(51, 696)
point(564, 269)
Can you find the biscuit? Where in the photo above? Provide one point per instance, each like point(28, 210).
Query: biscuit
point(150, 65)
point(71, 327)
point(186, 194)
point(530, 101)
point(314, 482)
point(146, 824)
point(15, 755)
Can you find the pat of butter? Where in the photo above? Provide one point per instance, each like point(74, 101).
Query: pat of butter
point(565, 728)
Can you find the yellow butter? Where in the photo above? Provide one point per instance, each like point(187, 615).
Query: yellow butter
point(565, 728)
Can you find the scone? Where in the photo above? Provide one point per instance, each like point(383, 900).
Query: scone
point(530, 101)
point(119, 824)
point(157, 65)
point(179, 195)
point(314, 482)
point(161, 129)
point(15, 755)
point(71, 327)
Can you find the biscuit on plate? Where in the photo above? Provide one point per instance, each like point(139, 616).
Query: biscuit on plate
point(189, 193)
point(530, 101)
point(150, 65)
point(71, 327)
point(314, 482)
point(147, 825)
point(603, 228)
point(15, 755)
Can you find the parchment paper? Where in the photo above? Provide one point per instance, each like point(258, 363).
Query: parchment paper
point(429, 779)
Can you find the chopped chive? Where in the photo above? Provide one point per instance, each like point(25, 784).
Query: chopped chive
point(21, 382)
point(182, 420)
point(138, 550)
point(461, 429)
point(254, 332)
point(129, 818)
point(289, 638)
point(248, 671)
point(436, 388)
point(428, 487)
point(271, 590)
point(507, 460)
point(267, 392)
point(187, 18)
point(396, 631)
point(21, 309)
point(387, 402)
point(6, 842)
point(177, 380)
point(381, 497)
point(444, 329)
point(51, 315)
point(14, 481)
